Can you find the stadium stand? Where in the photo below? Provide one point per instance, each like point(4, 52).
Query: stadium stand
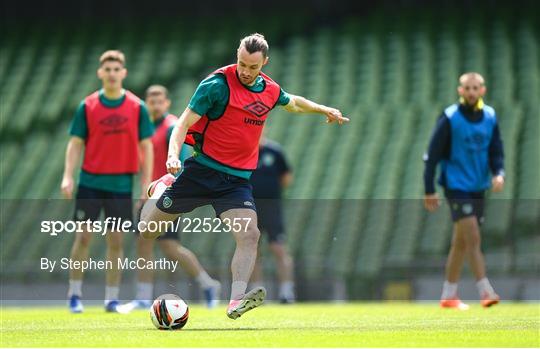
point(391, 75)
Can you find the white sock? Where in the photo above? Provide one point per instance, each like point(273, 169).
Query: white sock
point(145, 291)
point(238, 290)
point(484, 286)
point(449, 290)
point(75, 288)
point(204, 279)
point(111, 293)
point(286, 290)
point(158, 190)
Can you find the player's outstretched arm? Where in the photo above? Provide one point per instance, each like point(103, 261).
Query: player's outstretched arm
point(73, 157)
point(178, 135)
point(298, 104)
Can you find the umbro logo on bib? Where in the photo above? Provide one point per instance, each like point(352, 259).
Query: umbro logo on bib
point(114, 120)
point(257, 108)
point(114, 124)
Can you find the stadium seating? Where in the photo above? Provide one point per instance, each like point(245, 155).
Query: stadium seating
point(354, 209)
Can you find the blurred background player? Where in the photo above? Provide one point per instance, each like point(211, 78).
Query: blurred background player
point(225, 119)
point(467, 143)
point(158, 103)
point(112, 125)
point(273, 175)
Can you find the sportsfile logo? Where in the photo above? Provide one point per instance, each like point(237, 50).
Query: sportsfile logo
point(55, 227)
point(187, 224)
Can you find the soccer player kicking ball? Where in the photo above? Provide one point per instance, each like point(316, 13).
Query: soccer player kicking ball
point(224, 121)
point(467, 143)
point(112, 125)
point(158, 103)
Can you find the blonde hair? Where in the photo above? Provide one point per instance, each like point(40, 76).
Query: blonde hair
point(112, 56)
point(471, 75)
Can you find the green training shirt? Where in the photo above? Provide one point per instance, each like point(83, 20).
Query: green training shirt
point(122, 183)
point(211, 98)
point(186, 151)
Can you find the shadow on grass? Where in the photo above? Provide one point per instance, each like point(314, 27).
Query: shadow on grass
point(228, 329)
point(224, 329)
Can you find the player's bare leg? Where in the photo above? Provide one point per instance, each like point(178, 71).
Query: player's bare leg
point(456, 256)
point(145, 249)
point(257, 273)
point(174, 251)
point(247, 236)
point(115, 252)
point(471, 234)
point(187, 260)
point(145, 279)
point(476, 260)
point(151, 213)
point(285, 266)
point(79, 252)
point(454, 264)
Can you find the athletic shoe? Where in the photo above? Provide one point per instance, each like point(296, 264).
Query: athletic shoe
point(251, 300)
point(212, 294)
point(134, 304)
point(112, 306)
point(489, 299)
point(75, 304)
point(167, 179)
point(286, 296)
point(455, 303)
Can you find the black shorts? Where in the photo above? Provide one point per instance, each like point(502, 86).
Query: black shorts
point(199, 185)
point(89, 203)
point(172, 234)
point(465, 204)
point(270, 219)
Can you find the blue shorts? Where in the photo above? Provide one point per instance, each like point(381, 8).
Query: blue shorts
point(270, 219)
point(465, 204)
point(199, 185)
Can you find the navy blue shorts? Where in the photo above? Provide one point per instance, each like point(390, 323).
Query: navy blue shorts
point(89, 202)
point(270, 219)
point(465, 204)
point(199, 185)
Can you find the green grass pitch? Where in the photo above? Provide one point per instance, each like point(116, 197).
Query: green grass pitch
point(302, 325)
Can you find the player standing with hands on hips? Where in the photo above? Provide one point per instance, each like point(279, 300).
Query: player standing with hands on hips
point(467, 143)
point(224, 121)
